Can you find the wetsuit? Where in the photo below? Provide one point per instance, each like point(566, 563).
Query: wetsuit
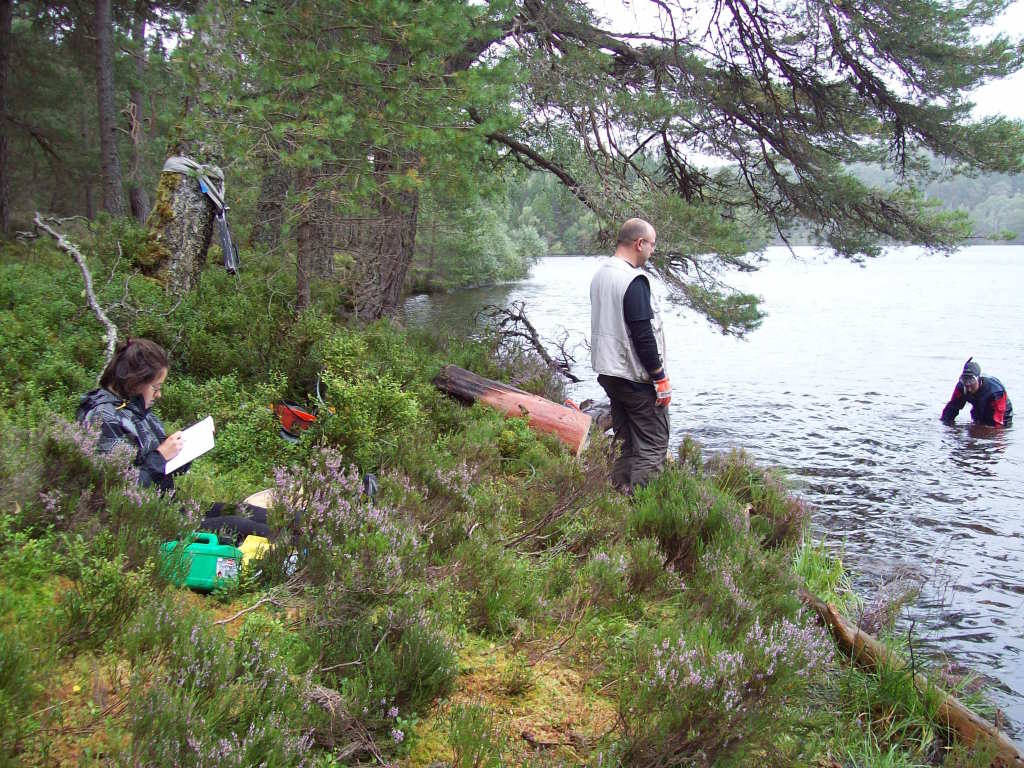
point(990, 404)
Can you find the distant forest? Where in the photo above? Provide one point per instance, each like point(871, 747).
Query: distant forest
point(994, 204)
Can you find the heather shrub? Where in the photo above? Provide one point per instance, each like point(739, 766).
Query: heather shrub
point(590, 516)
point(338, 535)
point(503, 587)
point(103, 597)
point(728, 586)
point(698, 698)
point(775, 516)
point(140, 520)
point(690, 455)
point(274, 630)
point(384, 658)
point(645, 571)
point(358, 558)
point(58, 479)
point(154, 628)
point(517, 676)
point(606, 576)
point(684, 514)
point(220, 702)
point(400, 656)
point(474, 739)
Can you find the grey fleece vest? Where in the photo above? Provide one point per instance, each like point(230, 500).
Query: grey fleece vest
point(611, 350)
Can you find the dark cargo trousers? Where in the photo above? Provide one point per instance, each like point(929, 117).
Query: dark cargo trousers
point(641, 432)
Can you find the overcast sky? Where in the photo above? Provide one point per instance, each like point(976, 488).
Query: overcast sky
point(1004, 97)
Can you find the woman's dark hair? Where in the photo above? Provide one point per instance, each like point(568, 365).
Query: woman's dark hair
point(136, 362)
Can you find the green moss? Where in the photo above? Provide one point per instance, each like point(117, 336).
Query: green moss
point(155, 253)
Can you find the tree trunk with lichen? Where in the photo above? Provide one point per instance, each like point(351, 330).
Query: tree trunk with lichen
point(180, 227)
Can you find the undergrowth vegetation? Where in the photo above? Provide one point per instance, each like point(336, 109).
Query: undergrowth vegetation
point(492, 573)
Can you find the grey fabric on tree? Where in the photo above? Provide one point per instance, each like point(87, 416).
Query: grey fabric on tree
point(211, 183)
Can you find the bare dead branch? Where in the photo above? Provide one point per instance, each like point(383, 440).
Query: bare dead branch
point(250, 609)
point(512, 323)
point(70, 248)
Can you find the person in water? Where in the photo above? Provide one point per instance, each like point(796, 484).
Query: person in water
point(122, 407)
point(990, 405)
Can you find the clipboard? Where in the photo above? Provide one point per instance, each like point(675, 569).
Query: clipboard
point(197, 440)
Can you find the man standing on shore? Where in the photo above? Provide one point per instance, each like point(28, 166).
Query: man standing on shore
point(627, 347)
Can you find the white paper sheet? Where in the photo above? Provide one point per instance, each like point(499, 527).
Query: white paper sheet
point(198, 439)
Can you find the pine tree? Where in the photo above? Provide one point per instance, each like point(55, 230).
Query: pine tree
point(358, 100)
point(113, 198)
point(6, 24)
point(728, 125)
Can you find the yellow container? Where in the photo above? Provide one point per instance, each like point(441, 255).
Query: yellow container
point(253, 548)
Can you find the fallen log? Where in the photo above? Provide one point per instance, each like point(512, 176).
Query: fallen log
point(569, 425)
point(869, 652)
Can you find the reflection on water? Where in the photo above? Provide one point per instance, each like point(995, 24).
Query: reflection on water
point(842, 387)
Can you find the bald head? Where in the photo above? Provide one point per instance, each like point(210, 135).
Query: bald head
point(633, 230)
point(635, 243)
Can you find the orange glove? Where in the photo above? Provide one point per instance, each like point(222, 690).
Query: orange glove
point(663, 389)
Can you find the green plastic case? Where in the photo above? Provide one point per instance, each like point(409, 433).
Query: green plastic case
point(204, 565)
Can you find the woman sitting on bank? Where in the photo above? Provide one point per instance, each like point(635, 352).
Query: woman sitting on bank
point(122, 406)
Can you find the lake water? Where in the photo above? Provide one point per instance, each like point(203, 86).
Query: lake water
point(842, 387)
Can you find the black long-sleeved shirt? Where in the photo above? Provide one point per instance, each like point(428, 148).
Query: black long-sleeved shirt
point(636, 308)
